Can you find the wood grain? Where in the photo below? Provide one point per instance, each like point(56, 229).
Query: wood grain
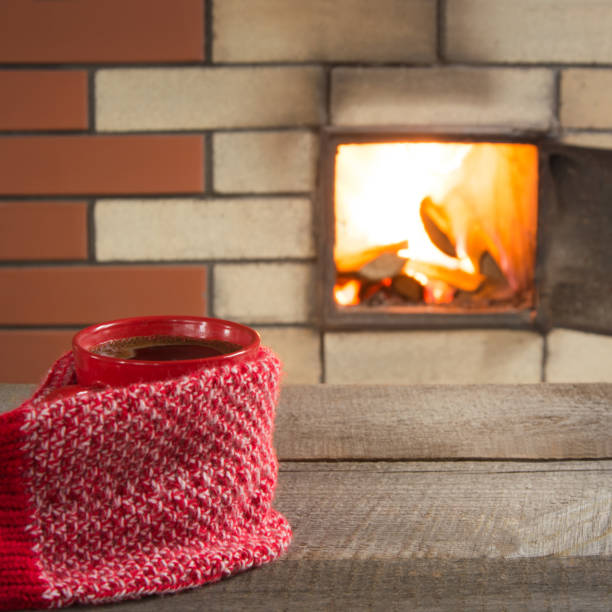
point(541, 421)
point(387, 422)
point(376, 540)
point(446, 515)
point(423, 585)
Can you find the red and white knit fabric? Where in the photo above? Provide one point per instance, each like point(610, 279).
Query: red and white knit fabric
point(149, 488)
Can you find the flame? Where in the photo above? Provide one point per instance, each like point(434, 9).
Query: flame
point(347, 293)
point(479, 197)
point(379, 189)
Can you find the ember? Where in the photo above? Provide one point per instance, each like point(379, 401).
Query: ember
point(448, 224)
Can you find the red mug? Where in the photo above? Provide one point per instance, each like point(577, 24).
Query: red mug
point(96, 370)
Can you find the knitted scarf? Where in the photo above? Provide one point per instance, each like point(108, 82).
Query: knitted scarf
point(150, 488)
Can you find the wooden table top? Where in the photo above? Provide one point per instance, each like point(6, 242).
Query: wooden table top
point(431, 498)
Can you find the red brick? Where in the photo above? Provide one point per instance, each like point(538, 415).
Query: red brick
point(122, 164)
point(43, 100)
point(43, 230)
point(91, 31)
point(73, 295)
point(26, 355)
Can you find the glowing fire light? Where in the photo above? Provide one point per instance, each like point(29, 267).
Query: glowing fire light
point(418, 276)
point(347, 293)
point(379, 189)
point(438, 292)
point(477, 199)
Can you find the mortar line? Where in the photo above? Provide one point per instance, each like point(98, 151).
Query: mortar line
point(209, 181)
point(503, 65)
point(148, 197)
point(281, 325)
point(42, 326)
point(441, 31)
point(327, 98)
point(323, 376)
point(42, 263)
point(555, 128)
point(208, 32)
point(156, 132)
point(91, 232)
point(545, 352)
point(91, 101)
point(210, 294)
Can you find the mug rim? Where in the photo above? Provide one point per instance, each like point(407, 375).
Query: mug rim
point(79, 339)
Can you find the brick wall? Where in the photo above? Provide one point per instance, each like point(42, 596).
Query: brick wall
point(158, 156)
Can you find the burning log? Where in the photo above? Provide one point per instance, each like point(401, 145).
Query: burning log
point(438, 292)
point(409, 288)
point(494, 290)
point(489, 267)
point(388, 292)
point(375, 294)
point(386, 265)
point(456, 278)
point(434, 219)
point(356, 261)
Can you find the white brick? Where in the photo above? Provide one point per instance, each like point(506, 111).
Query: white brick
point(299, 351)
point(596, 140)
point(204, 98)
point(442, 97)
point(320, 30)
point(529, 30)
point(464, 356)
point(264, 162)
point(264, 293)
point(134, 230)
point(586, 97)
point(575, 356)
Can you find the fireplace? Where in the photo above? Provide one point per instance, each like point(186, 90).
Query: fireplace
point(198, 155)
point(451, 225)
point(426, 230)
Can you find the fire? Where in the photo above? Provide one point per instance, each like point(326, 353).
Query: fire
point(436, 211)
point(347, 292)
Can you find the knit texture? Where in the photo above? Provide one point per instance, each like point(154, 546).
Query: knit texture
point(149, 488)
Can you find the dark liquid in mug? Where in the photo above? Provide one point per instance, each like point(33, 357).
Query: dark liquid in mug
point(164, 348)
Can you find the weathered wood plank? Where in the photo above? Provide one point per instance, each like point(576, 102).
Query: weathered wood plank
point(423, 585)
point(543, 421)
point(421, 541)
point(403, 515)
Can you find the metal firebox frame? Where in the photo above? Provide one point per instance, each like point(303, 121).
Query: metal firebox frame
point(332, 316)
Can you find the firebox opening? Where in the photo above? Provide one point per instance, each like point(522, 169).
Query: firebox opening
point(440, 226)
